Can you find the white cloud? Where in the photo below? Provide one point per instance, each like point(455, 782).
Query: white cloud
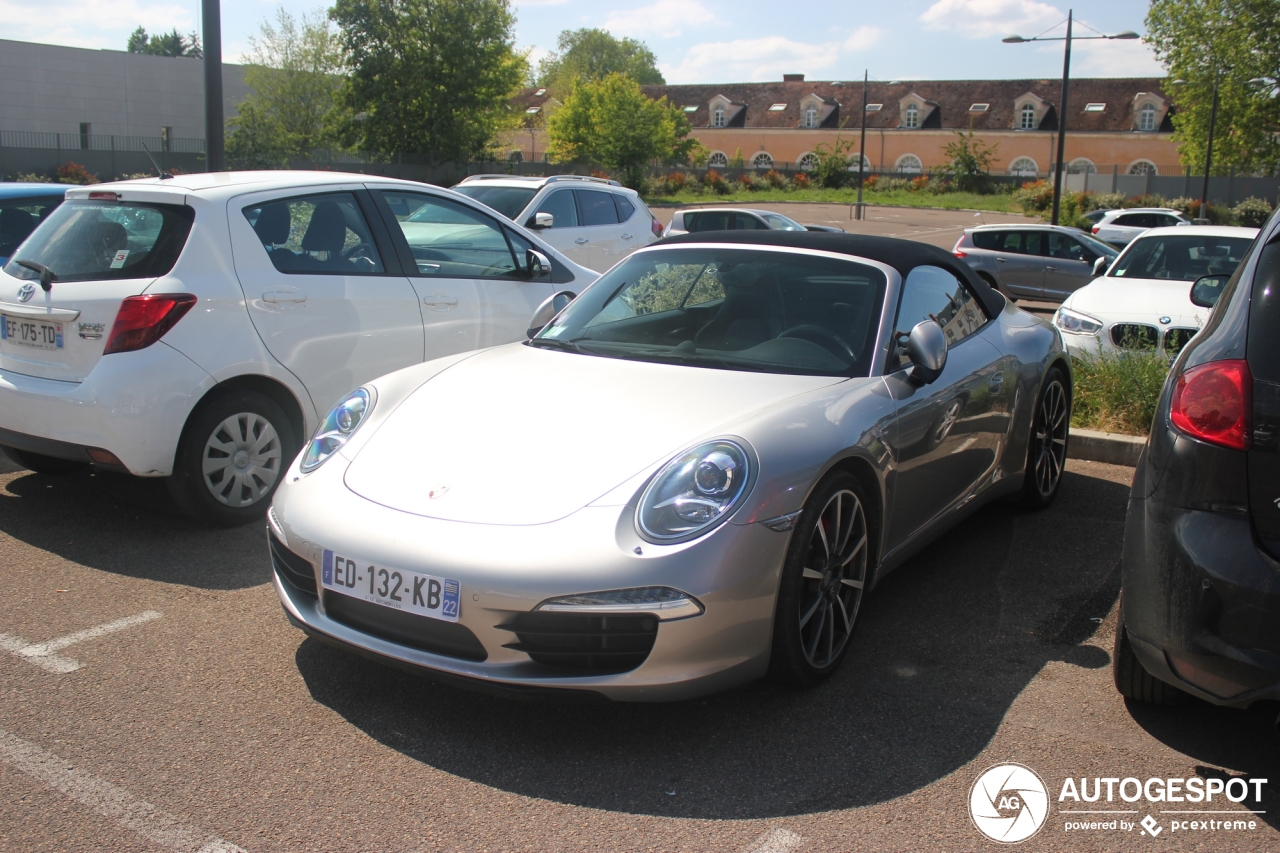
point(1113, 59)
point(864, 37)
point(985, 18)
point(764, 58)
point(91, 23)
point(661, 18)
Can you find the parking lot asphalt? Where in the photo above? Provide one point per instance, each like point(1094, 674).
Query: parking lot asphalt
point(196, 718)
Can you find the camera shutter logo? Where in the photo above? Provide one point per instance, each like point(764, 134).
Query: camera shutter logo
point(1009, 803)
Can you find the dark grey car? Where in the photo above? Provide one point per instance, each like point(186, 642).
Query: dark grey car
point(1041, 262)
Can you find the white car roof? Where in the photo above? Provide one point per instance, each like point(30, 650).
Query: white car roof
point(224, 185)
point(729, 210)
point(1119, 210)
point(537, 182)
point(1199, 231)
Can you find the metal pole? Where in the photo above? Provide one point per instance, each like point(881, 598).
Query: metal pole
point(1062, 124)
point(862, 143)
point(215, 151)
point(1208, 155)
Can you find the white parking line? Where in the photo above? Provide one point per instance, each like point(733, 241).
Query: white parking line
point(109, 800)
point(776, 840)
point(42, 654)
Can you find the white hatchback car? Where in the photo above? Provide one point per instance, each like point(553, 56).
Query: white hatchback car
point(1118, 227)
point(592, 221)
point(1144, 300)
point(193, 327)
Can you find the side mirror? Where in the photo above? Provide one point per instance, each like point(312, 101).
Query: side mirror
point(547, 311)
point(538, 264)
point(1100, 266)
point(541, 220)
point(1207, 289)
point(927, 349)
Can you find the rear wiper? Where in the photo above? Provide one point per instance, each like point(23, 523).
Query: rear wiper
point(47, 277)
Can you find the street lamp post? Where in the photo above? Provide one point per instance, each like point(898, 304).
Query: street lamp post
point(1208, 149)
point(862, 143)
point(1066, 89)
point(214, 149)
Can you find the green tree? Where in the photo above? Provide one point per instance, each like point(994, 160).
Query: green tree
point(612, 123)
point(172, 43)
point(294, 73)
point(1240, 41)
point(969, 162)
point(586, 55)
point(429, 75)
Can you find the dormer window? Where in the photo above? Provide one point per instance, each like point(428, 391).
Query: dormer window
point(692, 108)
point(717, 119)
point(1147, 117)
point(540, 93)
point(979, 108)
point(912, 116)
point(1027, 117)
point(777, 108)
point(810, 116)
point(874, 108)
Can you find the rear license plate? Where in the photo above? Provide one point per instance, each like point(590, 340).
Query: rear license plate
point(36, 334)
point(412, 592)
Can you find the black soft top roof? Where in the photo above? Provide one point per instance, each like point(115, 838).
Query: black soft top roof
point(902, 255)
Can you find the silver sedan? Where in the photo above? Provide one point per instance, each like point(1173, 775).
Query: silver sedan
point(688, 478)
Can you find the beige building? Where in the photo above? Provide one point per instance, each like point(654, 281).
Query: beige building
point(1119, 125)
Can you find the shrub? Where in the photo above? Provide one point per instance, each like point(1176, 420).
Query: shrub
point(748, 183)
point(736, 161)
point(1252, 212)
point(712, 178)
point(870, 182)
point(939, 185)
point(1034, 196)
point(1105, 201)
point(74, 173)
point(890, 185)
point(1118, 392)
point(600, 173)
point(801, 181)
point(919, 183)
point(775, 179)
point(32, 178)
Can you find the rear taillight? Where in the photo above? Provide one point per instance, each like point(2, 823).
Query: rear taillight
point(1214, 402)
point(143, 320)
point(656, 227)
point(957, 251)
point(1095, 228)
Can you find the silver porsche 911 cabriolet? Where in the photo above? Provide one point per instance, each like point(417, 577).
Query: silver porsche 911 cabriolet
point(687, 478)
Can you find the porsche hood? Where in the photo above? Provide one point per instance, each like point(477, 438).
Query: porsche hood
point(518, 435)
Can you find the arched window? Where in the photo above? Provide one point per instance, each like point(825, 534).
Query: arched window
point(808, 161)
point(1082, 166)
point(909, 164)
point(1143, 167)
point(762, 160)
point(853, 164)
point(1027, 117)
point(1147, 117)
point(912, 117)
point(718, 160)
point(811, 116)
point(718, 118)
point(1025, 167)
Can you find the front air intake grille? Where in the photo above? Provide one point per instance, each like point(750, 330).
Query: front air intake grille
point(406, 629)
point(296, 571)
point(1135, 336)
point(1176, 339)
point(588, 643)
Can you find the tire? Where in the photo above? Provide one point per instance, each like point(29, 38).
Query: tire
point(248, 442)
point(1132, 679)
point(821, 591)
point(1047, 443)
point(40, 463)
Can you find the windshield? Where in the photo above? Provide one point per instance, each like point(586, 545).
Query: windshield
point(508, 201)
point(1180, 257)
point(730, 308)
point(1098, 247)
point(98, 240)
point(778, 222)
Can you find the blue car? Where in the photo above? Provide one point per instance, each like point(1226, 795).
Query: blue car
point(22, 207)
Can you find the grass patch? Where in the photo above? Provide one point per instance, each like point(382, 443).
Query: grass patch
point(1118, 392)
point(901, 198)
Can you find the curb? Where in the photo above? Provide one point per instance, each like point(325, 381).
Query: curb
point(1109, 447)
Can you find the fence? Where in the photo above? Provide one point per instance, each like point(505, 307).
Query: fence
point(108, 157)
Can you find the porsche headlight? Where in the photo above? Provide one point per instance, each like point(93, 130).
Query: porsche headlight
point(693, 493)
point(338, 426)
point(1075, 323)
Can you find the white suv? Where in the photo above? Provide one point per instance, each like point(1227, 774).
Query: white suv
point(594, 222)
point(194, 327)
point(1119, 227)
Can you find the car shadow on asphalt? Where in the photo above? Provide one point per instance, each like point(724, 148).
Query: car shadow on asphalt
point(945, 646)
point(129, 526)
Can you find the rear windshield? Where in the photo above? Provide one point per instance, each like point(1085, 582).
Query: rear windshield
point(1182, 258)
point(508, 201)
point(100, 240)
point(19, 217)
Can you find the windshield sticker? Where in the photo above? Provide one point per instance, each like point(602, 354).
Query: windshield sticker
point(118, 261)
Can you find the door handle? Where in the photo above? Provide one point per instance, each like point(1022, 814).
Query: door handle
point(1002, 260)
point(581, 240)
point(996, 383)
point(626, 236)
point(275, 297)
point(1051, 269)
point(437, 300)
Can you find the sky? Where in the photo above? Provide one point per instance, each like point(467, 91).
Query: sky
point(710, 41)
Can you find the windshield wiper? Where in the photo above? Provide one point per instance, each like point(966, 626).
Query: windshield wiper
point(47, 277)
point(555, 343)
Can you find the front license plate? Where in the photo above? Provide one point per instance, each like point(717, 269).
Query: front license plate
point(412, 592)
point(31, 333)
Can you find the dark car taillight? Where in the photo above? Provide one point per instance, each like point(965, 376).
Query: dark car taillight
point(656, 227)
point(1214, 402)
point(143, 320)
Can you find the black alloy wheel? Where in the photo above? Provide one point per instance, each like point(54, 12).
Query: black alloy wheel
point(1047, 445)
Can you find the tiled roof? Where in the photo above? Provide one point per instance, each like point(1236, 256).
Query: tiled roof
point(953, 99)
